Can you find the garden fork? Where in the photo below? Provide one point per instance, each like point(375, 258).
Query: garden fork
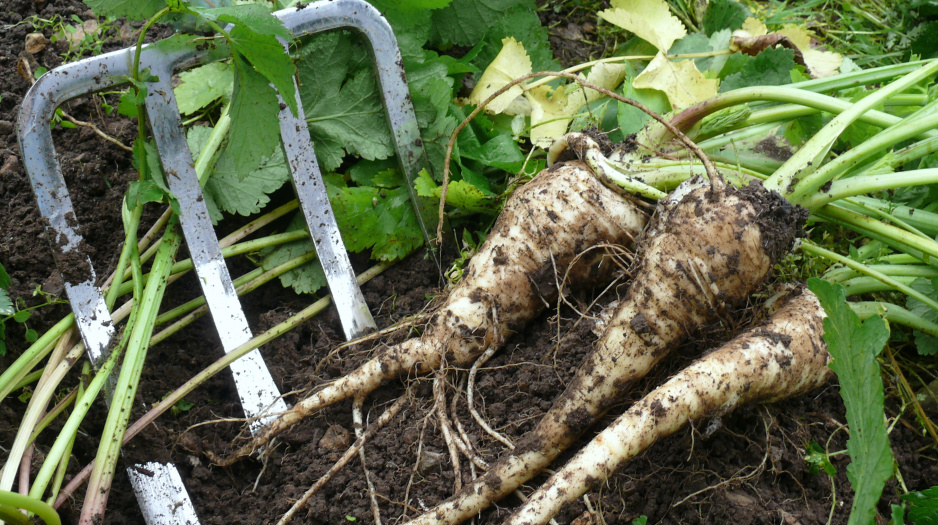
point(159, 488)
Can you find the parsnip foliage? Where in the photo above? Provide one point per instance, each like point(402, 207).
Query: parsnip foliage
point(854, 345)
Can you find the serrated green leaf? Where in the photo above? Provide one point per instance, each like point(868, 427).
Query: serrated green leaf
point(923, 508)
point(202, 86)
point(771, 67)
point(343, 107)
point(364, 172)
point(465, 22)
point(255, 127)
point(854, 346)
point(925, 344)
point(127, 105)
point(269, 58)
point(898, 515)
point(255, 17)
point(459, 194)
point(6, 303)
point(724, 14)
point(142, 192)
point(132, 9)
point(501, 152)
point(5, 280)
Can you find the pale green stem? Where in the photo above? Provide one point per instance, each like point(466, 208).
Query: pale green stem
point(32, 356)
point(928, 247)
point(34, 506)
point(863, 184)
point(801, 164)
point(876, 145)
point(865, 285)
point(67, 454)
point(126, 389)
point(813, 249)
point(892, 270)
point(894, 314)
point(920, 219)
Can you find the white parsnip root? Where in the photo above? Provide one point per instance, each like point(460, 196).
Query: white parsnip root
point(784, 357)
point(544, 226)
point(709, 248)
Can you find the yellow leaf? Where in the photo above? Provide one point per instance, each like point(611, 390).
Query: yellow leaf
point(552, 110)
point(650, 20)
point(681, 81)
point(512, 62)
point(549, 114)
point(819, 63)
point(755, 27)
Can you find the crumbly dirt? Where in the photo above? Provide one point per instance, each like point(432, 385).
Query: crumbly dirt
point(747, 468)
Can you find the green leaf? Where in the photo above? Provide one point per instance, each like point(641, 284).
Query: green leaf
point(255, 127)
point(854, 346)
point(269, 58)
point(501, 152)
point(255, 17)
point(31, 336)
point(5, 280)
point(898, 515)
point(925, 43)
point(142, 192)
point(818, 460)
point(459, 194)
point(202, 86)
point(925, 343)
point(923, 508)
point(22, 316)
point(641, 520)
point(771, 67)
point(632, 119)
point(6, 303)
point(127, 105)
point(465, 22)
point(250, 195)
point(341, 100)
point(132, 9)
point(364, 172)
point(224, 191)
point(424, 4)
point(724, 14)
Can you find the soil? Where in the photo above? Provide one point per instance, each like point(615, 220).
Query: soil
point(747, 468)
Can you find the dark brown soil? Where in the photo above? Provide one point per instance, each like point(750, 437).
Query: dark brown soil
point(746, 468)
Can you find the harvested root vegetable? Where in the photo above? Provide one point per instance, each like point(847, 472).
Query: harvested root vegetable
point(709, 247)
point(784, 357)
point(544, 227)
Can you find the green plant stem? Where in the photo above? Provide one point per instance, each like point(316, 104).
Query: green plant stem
point(894, 314)
point(34, 506)
point(924, 221)
point(813, 249)
point(126, 388)
point(216, 367)
point(865, 285)
point(801, 164)
point(66, 438)
point(33, 355)
point(52, 376)
point(52, 414)
point(126, 252)
point(923, 245)
point(860, 185)
point(29, 379)
point(63, 462)
point(245, 284)
point(909, 269)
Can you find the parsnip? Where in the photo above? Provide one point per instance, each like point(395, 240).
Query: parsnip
point(709, 247)
point(784, 357)
point(543, 227)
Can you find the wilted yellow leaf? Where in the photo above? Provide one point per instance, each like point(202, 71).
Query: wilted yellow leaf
point(681, 81)
point(819, 63)
point(755, 27)
point(512, 62)
point(552, 110)
point(650, 20)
